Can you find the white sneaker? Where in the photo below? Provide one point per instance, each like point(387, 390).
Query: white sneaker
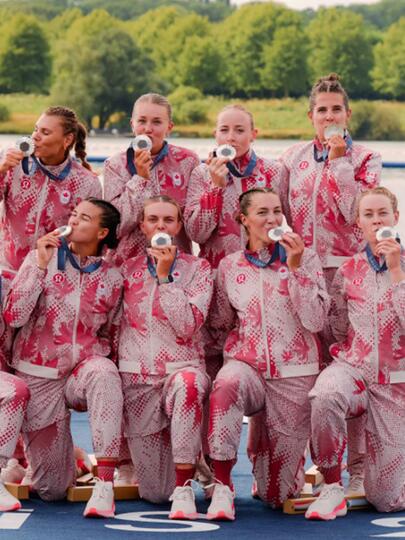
point(13, 472)
point(101, 502)
point(222, 505)
point(125, 475)
point(183, 503)
point(330, 504)
point(27, 480)
point(356, 486)
point(8, 502)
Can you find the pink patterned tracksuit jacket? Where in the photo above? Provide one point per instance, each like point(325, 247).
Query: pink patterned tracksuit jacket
point(161, 361)
point(127, 193)
point(33, 206)
point(69, 322)
point(210, 210)
point(322, 198)
point(368, 374)
point(268, 317)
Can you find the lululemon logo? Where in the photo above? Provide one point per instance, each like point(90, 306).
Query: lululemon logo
point(241, 278)
point(304, 165)
point(65, 197)
point(25, 184)
point(58, 278)
point(177, 179)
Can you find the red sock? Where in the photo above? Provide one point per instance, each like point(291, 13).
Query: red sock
point(222, 470)
point(105, 470)
point(182, 475)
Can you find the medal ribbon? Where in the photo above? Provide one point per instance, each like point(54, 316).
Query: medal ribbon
point(152, 267)
point(65, 253)
point(278, 253)
point(36, 164)
point(373, 261)
point(249, 167)
point(324, 155)
point(131, 154)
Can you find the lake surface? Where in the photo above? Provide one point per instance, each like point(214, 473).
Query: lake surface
point(394, 179)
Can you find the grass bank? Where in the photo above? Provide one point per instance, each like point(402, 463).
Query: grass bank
point(274, 118)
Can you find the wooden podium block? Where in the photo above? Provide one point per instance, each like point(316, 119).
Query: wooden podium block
point(313, 476)
point(83, 493)
point(298, 506)
point(20, 492)
point(94, 463)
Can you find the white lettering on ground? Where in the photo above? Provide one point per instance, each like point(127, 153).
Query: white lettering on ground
point(14, 520)
point(142, 517)
point(395, 522)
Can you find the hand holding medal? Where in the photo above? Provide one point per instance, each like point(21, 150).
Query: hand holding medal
point(334, 140)
point(142, 145)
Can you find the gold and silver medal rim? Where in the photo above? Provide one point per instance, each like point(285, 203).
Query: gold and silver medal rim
point(385, 233)
point(64, 231)
point(25, 145)
point(332, 130)
point(277, 233)
point(226, 151)
point(161, 240)
point(142, 142)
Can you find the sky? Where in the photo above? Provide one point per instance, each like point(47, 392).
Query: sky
point(302, 4)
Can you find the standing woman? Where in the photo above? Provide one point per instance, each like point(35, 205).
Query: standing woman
point(131, 176)
point(39, 195)
point(270, 300)
point(368, 368)
point(326, 178)
point(215, 186)
point(66, 302)
point(166, 298)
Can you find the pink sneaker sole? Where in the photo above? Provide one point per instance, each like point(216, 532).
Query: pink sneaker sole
point(93, 512)
point(221, 516)
point(15, 506)
point(181, 515)
point(339, 511)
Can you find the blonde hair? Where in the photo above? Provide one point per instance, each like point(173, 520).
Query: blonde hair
point(380, 190)
point(164, 199)
point(240, 108)
point(330, 83)
point(156, 99)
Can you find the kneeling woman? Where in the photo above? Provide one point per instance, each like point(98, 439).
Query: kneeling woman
point(166, 298)
point(66, 299)
point(270, 300)
point(368, 371)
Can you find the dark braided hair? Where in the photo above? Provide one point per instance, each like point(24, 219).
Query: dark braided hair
point(110, 219)
point(71, 124)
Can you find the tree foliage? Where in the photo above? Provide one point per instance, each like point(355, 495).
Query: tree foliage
point(284, 71)
point(389, 69)
point(100, 69)
point(25, 62)
point(339, 42)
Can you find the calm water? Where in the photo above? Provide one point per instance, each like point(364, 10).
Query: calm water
point(394, 179)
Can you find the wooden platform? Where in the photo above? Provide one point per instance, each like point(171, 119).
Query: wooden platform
point(83, 493)
point(299, 506)
point(20, 492)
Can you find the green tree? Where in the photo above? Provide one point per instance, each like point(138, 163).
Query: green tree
point(166, 33)
point(389, 70)
point(200, 65)
point(25, 62)
point(340, 42)
point(241, 39)
point(100, 69)
point(285, 64)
